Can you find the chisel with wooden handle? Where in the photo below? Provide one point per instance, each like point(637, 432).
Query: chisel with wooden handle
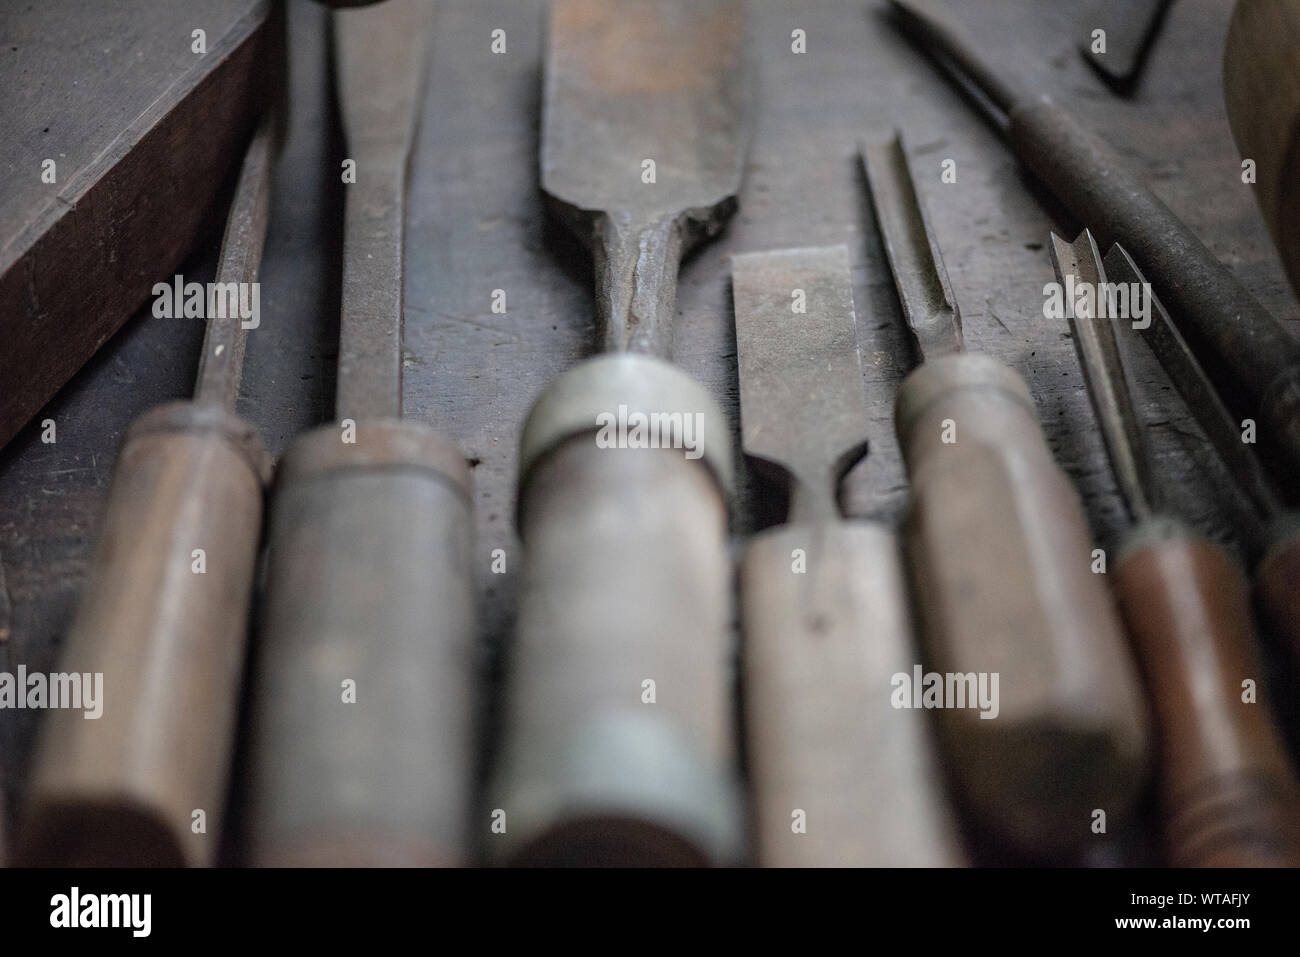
point(163, 617)
point(1000, 559)
point(361, 728)
point(1216, 313)
point(839, 775)
point(1275, 534)
point(1227, 789)
point(618, 745)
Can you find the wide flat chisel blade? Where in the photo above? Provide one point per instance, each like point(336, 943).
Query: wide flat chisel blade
point(801, 395)
point(644, 129)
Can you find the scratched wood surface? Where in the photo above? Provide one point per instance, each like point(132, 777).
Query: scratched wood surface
point(476, 224)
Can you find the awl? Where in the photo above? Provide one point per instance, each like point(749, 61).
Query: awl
point(1000, 557)
point(619, 742)
point(361, 729)
point(1215, 312)
point(1227, 790)
point(164, 614)
point(839, 775)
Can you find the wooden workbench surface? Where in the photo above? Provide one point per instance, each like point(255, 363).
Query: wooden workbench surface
point(476, 224)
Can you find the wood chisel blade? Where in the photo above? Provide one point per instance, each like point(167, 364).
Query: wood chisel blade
point(802, 402)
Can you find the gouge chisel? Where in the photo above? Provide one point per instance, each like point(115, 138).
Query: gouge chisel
point(1215, 312)
point(1276, 535)
point(1228, 792)
point(361, 727)
point(839, 776)
point(164, 615)
point(1000, 559)
point(618, 745)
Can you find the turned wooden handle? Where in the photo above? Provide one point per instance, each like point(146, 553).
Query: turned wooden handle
point(840, 777)
point(164, 619)
point(1227, 788)
point(618, 744)
point(1001, 563)
point(369, 591)
point(1277, 592)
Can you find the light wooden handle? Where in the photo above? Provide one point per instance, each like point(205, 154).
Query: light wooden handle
point(840, 776)
point(361, 735)
point(164, 620)
point(1001, 561)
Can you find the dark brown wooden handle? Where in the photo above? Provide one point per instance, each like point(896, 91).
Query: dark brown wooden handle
point(361, 732)
point(841, 775)
point(1001, 561)
point(1277, 592)
point(164, 620)
point(1226, 786)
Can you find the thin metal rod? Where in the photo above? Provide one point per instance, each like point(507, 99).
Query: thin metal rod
point(222, 362)
point(1077, 264)
point(381, 54)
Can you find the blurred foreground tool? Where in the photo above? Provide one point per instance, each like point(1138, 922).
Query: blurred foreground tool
point(1261, 86)
point(164, 617)
point(999, 553)
point(1214, 310)
point(118, 136)
point(619, 741)
point(361, 730)
point(1276, 535)
point(825, 633)
point(1130, 27)
point(1228, 794)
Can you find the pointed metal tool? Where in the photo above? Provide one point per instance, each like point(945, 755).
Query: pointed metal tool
point(998, 548)
point(824, 634)
point(1225, 781)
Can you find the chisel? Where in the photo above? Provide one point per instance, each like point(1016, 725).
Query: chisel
point(1277, 531)
point(1215, 312)
point(1227, 789)
point(163, 617)
point(361, 726)
point(839, 776)
point(618, 745)
point(1000, 559)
